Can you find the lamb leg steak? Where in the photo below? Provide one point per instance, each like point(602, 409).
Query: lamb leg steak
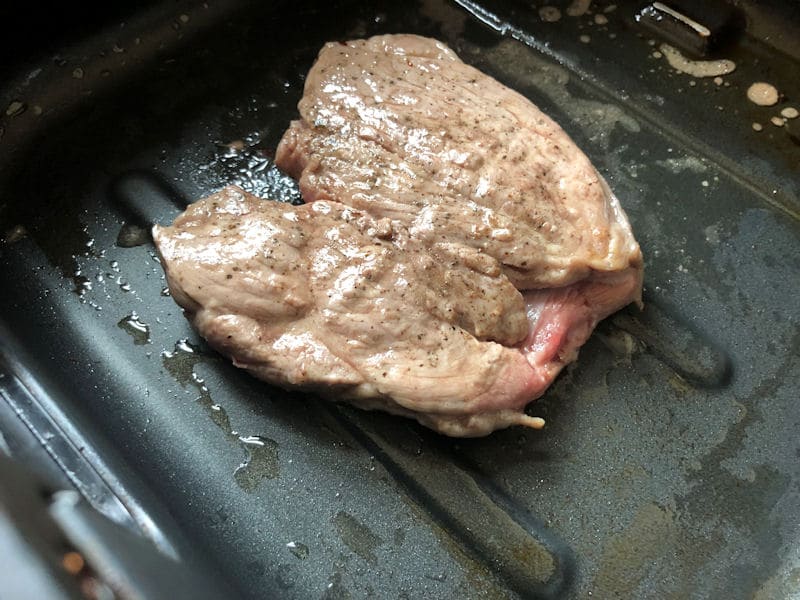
point(456, 250)
point(327, 298)
point(398, 126)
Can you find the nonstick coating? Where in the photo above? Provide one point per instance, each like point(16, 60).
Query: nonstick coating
point(669, 464)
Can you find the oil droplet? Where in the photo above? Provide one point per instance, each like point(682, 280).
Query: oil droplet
point(136, 328)
point(217, 414)
point(298, 549)
point(262, 462)
point(777, 121)
point(242, 163)
point(757, 127)
point(180, 362)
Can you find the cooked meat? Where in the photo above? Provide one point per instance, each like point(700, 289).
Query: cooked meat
point(457, 251)
point(328, 298)
point(398, 126)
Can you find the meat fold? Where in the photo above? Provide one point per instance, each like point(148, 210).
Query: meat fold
point(327, 298)
point(456, 251)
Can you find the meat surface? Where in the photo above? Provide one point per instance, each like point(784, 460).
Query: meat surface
point(456, 250)
point(398, 126)
point(328, 298)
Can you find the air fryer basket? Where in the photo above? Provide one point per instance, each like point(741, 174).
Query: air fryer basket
point(669, 464)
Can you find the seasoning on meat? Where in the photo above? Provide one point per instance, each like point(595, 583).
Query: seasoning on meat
point(398, 126)
point(328, 298)
point(456, 251)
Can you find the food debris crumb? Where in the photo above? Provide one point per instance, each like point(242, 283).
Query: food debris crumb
point(578, 8)
point(585, 39)
point(549, 14)
point(657, 54)
point(762, 93)
point(704, 183)
point(610, 8)
point(77, 73)
point(184, 18)
point(37, 110)
point(15, 234)
point(777, 121)
point(718, 80)
point(72, 562)
point(757, 127)
point(601, 19)
point(15, 108)
point(692, 83)
point(790, 112)
point(696, 68)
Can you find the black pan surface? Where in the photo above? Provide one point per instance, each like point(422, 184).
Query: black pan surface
point(669, 465)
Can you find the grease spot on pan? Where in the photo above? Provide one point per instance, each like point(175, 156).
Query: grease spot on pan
point(131, 235)
point(261, 463)
point(357, 536)
point(598, 119)
point(686, 351)
point(261, 460)
point(136, 328)
point(298, 549)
